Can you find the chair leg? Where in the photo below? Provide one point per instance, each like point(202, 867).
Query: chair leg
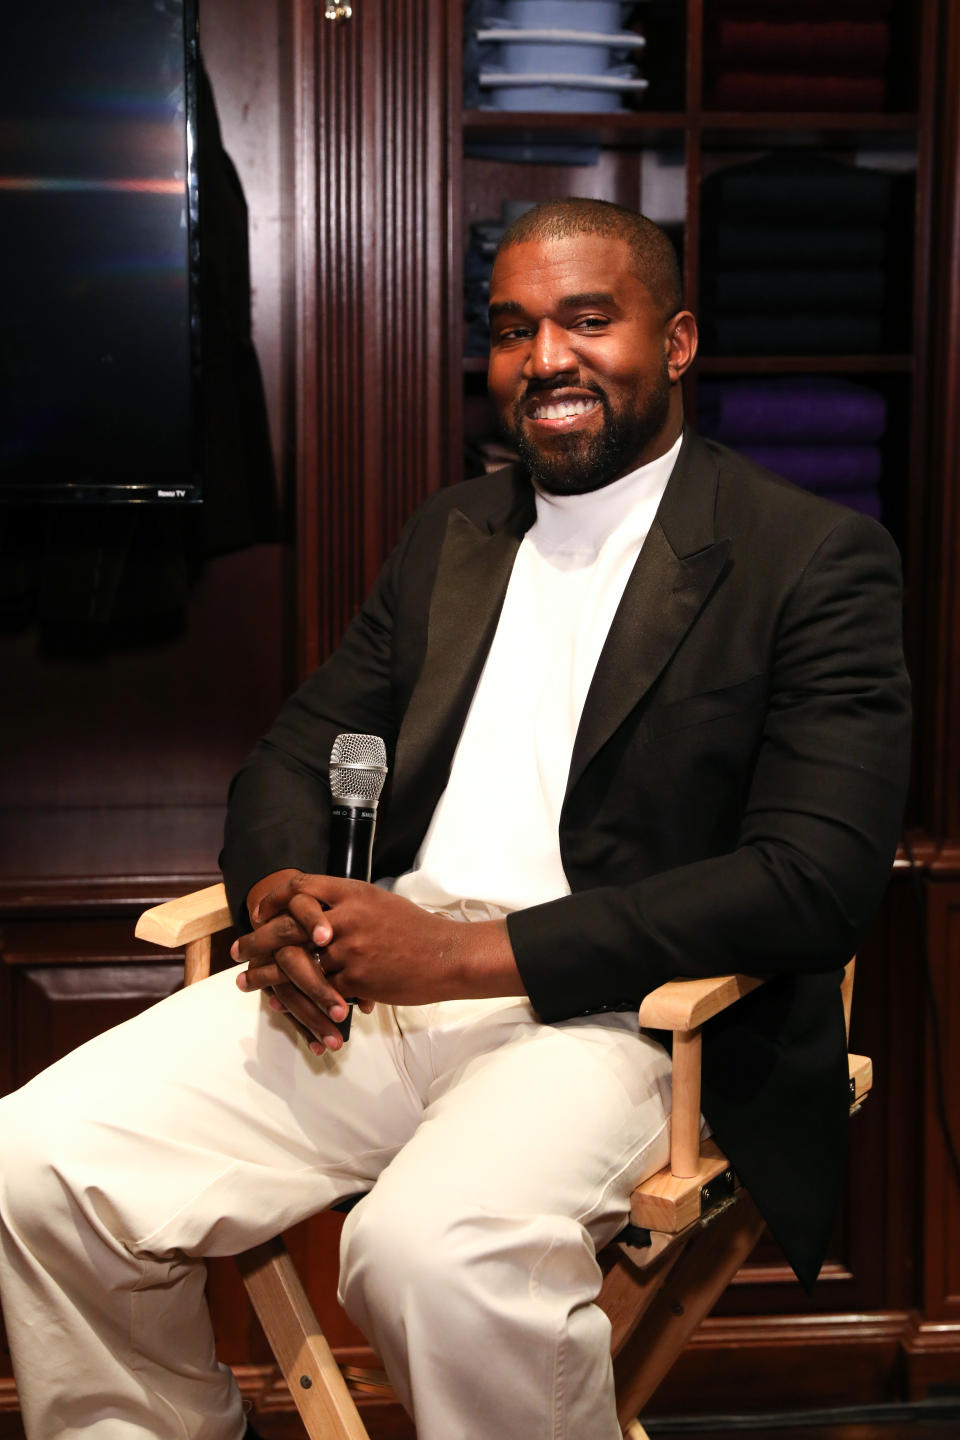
point(708, 1264)
point(319, 1390)
point(632, 1281)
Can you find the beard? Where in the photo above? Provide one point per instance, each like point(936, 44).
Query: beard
point(578, 464)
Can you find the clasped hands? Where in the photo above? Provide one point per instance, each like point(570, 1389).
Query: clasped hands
point(318, 939)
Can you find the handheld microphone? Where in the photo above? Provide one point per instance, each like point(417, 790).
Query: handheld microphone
point(358, 770)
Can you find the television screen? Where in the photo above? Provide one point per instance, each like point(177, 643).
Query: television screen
point(99, 337)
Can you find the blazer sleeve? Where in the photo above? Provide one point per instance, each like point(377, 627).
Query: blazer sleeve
point(819, 827)
point(278, 815)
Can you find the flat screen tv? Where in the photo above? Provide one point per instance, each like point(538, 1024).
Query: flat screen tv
point(99, 324)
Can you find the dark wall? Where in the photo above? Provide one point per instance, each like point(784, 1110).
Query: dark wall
point(119, 737)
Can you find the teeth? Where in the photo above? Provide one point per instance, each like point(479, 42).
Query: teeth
point(566, 410)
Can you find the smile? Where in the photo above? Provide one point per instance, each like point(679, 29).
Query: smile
point(563, 413)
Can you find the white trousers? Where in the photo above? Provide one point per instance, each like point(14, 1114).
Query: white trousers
point(503, 1150)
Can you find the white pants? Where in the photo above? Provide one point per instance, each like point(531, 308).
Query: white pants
point(504, 1152)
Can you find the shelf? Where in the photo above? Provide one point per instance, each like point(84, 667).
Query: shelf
point(633, 127)
point(774, 364)
point(808, 121)
point(637, 127)
point(803, 364)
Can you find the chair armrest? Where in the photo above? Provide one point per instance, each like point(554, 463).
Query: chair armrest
point(683, 1006)
point(686, 1004)
point(190, 917)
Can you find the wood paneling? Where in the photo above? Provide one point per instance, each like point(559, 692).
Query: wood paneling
point(942, 1051)
point(786, 1362)
point(940, 713)
point(378, 421)
point(58, 1008)
point(347, 137)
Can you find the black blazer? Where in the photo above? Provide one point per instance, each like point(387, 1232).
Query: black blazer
point(734, 796)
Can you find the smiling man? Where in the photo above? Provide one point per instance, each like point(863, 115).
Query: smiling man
point(646, 716)
point(588, 341)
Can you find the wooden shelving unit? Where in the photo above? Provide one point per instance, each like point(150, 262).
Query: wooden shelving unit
point(705, 139)
point(356, 142)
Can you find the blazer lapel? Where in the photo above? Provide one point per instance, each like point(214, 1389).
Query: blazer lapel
point(680, 563)
point(472, 577)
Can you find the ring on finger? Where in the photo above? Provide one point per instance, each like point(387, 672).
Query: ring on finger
point(316, 955)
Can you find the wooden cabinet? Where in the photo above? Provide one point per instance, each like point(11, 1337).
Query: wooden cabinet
point(350, 137)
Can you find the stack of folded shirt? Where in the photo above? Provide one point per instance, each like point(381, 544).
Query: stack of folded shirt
point(822, 433)
point(549, 55)
point(482, 247)
point(798, 54)
point(796, 258)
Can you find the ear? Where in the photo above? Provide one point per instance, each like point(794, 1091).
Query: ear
point(680, 340)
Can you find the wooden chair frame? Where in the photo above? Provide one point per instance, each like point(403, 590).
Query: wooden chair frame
point(692, 1226)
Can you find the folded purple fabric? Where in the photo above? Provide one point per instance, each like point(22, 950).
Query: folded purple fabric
point(866, 501)
point(749, 90)
point(824, 468)
point(789, 411)
point(833, 47)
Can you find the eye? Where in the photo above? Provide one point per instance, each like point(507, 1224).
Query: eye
point(591, 323)
point(514, 332)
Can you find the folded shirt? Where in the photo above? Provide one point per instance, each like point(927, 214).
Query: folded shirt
point(788, 290)
point(794, 334)
point(765, 90)
point(837, 47)
point(802, 9)
point(824, 468)
point(790, 410)
point(792, 246)
point(809, 189)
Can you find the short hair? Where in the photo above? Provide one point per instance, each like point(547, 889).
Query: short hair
point(651, 249)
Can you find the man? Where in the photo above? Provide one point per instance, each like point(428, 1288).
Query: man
point(646, 716)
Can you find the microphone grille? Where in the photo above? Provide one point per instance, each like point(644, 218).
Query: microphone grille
point(358, 767)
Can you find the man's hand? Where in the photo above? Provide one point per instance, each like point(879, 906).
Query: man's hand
point(335, 1006)
point(320, 938)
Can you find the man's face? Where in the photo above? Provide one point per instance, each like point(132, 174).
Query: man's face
point(579, 367)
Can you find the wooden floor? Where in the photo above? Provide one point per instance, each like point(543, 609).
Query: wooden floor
point(389, 1425)
point(946, 1430)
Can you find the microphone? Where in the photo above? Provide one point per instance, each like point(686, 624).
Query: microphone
point(358, 770)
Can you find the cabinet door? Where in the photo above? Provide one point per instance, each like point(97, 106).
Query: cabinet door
point(58, 1007)
point(374, 278)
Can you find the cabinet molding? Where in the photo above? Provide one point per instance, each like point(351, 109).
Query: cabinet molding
point(374, 282)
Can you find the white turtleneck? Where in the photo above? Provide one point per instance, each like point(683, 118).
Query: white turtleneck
point(494, 835)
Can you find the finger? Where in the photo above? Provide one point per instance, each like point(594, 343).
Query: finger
point(366, 1006)
point(310, 914)
point(275, 900)
point(306, 1034)
point(261, 977)
point(262, 944)
point(308, 1020)
point(325, 889)
point(322, 1033)
point(304, 969)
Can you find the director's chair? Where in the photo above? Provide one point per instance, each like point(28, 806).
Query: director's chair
point(692, 1226)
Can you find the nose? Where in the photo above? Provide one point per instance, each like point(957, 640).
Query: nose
point(550, 353)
